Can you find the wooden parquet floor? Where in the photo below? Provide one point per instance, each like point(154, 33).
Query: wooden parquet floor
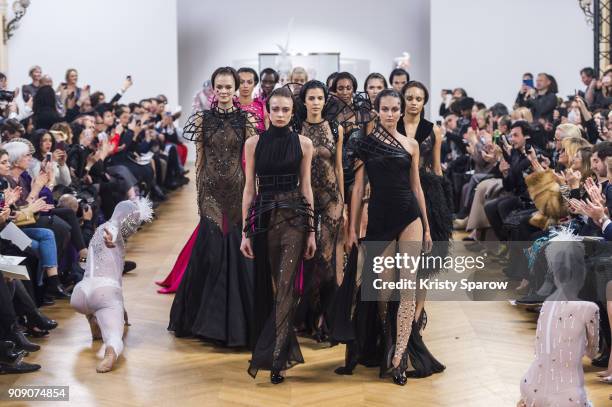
point(486, 348)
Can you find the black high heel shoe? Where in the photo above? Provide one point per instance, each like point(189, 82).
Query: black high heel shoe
point(399, 377)
point(37, 320)
point(57, 292)
point(276, 377)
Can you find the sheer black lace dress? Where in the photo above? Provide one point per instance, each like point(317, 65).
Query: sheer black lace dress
point(279, 222)
point(320, 273)
point(215, 298)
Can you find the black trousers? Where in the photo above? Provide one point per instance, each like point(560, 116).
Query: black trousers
point(7, 311)
point(69, 216)
point(497, 210)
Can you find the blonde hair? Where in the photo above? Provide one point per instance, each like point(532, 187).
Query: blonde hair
point(298, 70)
point(609, 165)
point(569, 130)
point(63, 128)
point(571, 145)
point(483, 114)
point(522, 113)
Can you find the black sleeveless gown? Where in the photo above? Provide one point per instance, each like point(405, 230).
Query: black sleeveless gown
point(279, 221)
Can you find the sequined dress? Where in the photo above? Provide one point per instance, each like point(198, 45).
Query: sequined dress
point(100, 292)
point(566, 331)
point(279, 221)
point(320, 272)
point(215, 297)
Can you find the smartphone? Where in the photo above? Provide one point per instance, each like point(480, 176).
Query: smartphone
point(48, 157)
point(2, 201)
point(102, 136)
point(528, 82)
point(129, 77)
point(61, 145)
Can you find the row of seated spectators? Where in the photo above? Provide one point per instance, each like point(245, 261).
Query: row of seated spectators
point(67, 157)
point(520, 175)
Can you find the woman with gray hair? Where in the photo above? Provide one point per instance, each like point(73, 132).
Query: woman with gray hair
point(43, 241)
point(567, 330)
point(62, 221)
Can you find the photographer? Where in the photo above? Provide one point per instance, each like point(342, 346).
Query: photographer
point(513, 165)
point(47, 151)
point(526, 87)
point(542, 99)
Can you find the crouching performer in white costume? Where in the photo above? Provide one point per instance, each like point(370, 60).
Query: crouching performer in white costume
point(100, 295)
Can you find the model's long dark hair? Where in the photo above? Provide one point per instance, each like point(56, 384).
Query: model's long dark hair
point(313, 84)
point(418, 85)
point(344, 75)
point(374, 75)
point(386, 93)
point(281, 92)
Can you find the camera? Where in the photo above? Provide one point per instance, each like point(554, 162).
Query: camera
point(7, 95)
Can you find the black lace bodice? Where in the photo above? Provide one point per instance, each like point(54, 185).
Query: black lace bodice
point(219, 136)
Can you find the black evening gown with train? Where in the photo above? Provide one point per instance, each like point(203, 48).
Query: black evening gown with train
point(214, 300)
point(321, 271)
point(438, 200)
point(392, 207)
point(278, 223)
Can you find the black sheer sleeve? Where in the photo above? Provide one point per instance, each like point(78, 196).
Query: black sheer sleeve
point(193, 129)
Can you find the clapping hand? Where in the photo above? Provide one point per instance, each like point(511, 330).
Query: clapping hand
point(40, 205)
point(577, 206)
point(594, 191)
point(11, 195)
point(595, 211)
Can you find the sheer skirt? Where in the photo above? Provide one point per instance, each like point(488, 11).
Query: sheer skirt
point(277, 347)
